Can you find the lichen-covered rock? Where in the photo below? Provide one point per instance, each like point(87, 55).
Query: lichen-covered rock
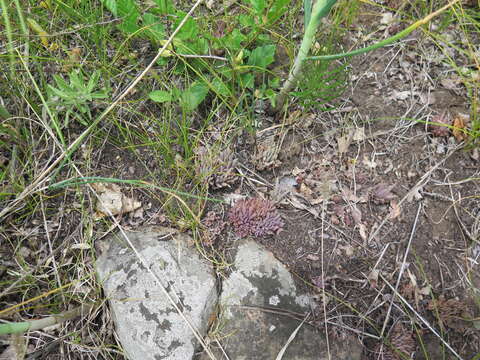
point(256, 301)
point(146, 322)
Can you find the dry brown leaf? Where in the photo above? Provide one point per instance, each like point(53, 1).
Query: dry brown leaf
point(425, 291)
point(293, 117)
point(295, 202)
point(373, 278)
point(356, 215)
point(348, 195)
point(348, 249)
point(395, 210)
point(450, 84)
point(112, 200)
point(459, 126)
point(313, 257)
point(382, 193)
point(371, 164)
point(362, 229)
point(283, 187)
point(305, 191)
point(344, 142)
point(359, 134)
point(387, 18)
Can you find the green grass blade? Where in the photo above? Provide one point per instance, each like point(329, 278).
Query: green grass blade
point(388, 41)
point(307, 9)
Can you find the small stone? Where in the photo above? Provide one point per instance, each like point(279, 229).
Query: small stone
point(147, 324)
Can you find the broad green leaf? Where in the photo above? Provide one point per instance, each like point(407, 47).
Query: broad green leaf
point(262, 56)
point(247, 80)
point(126, 8)
point(62, 84)
point(61, 94)
point(233, 41)
point(129, 24)
point(162, 61)
point(263, 39)
point(76, 80)
point(165, 6)
point(201, 46)
point(111, 5)
point(194, 46)
point(189, 30)
point(271, 95)
point(194, 96)
point(93, 81)
point(155, 29)
point(99, 95)
point(220, 88)
point(246, 20)
point(278, 8)
point(226, 72)
point(258, 6)
point(274, 83)
point(160, 96)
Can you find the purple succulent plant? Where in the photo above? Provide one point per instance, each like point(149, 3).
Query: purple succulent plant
point(255, 217)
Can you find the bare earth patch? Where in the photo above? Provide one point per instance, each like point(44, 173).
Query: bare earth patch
point(380, 211)
point(381, 216)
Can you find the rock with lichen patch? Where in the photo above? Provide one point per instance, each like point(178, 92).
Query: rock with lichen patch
point(147, 324)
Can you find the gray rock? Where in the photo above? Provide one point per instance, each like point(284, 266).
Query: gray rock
point(147, 324)
point(256, 300)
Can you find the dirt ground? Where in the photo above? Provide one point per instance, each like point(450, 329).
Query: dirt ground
point(381, 211)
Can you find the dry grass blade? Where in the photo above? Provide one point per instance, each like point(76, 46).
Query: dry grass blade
point(420, 183)
point(402, 268)
point(290, 339)
point(42, 178)
point(421, 318)
point(34, 186)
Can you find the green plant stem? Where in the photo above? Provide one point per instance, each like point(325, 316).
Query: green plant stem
point(388, 41)
point(4, 114)
point(320, 9)
point(8, 30)
point(21, 19)
point(97, 179)
point(22, 327)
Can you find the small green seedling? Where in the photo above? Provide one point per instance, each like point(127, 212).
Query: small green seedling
point(76, 96)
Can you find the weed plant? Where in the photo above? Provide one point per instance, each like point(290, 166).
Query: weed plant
point(65, 60)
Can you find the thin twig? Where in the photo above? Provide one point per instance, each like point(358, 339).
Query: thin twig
point(324, 302)
point(425, 322)
point(402, 268)
point(420, 183)
point(290, 339)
